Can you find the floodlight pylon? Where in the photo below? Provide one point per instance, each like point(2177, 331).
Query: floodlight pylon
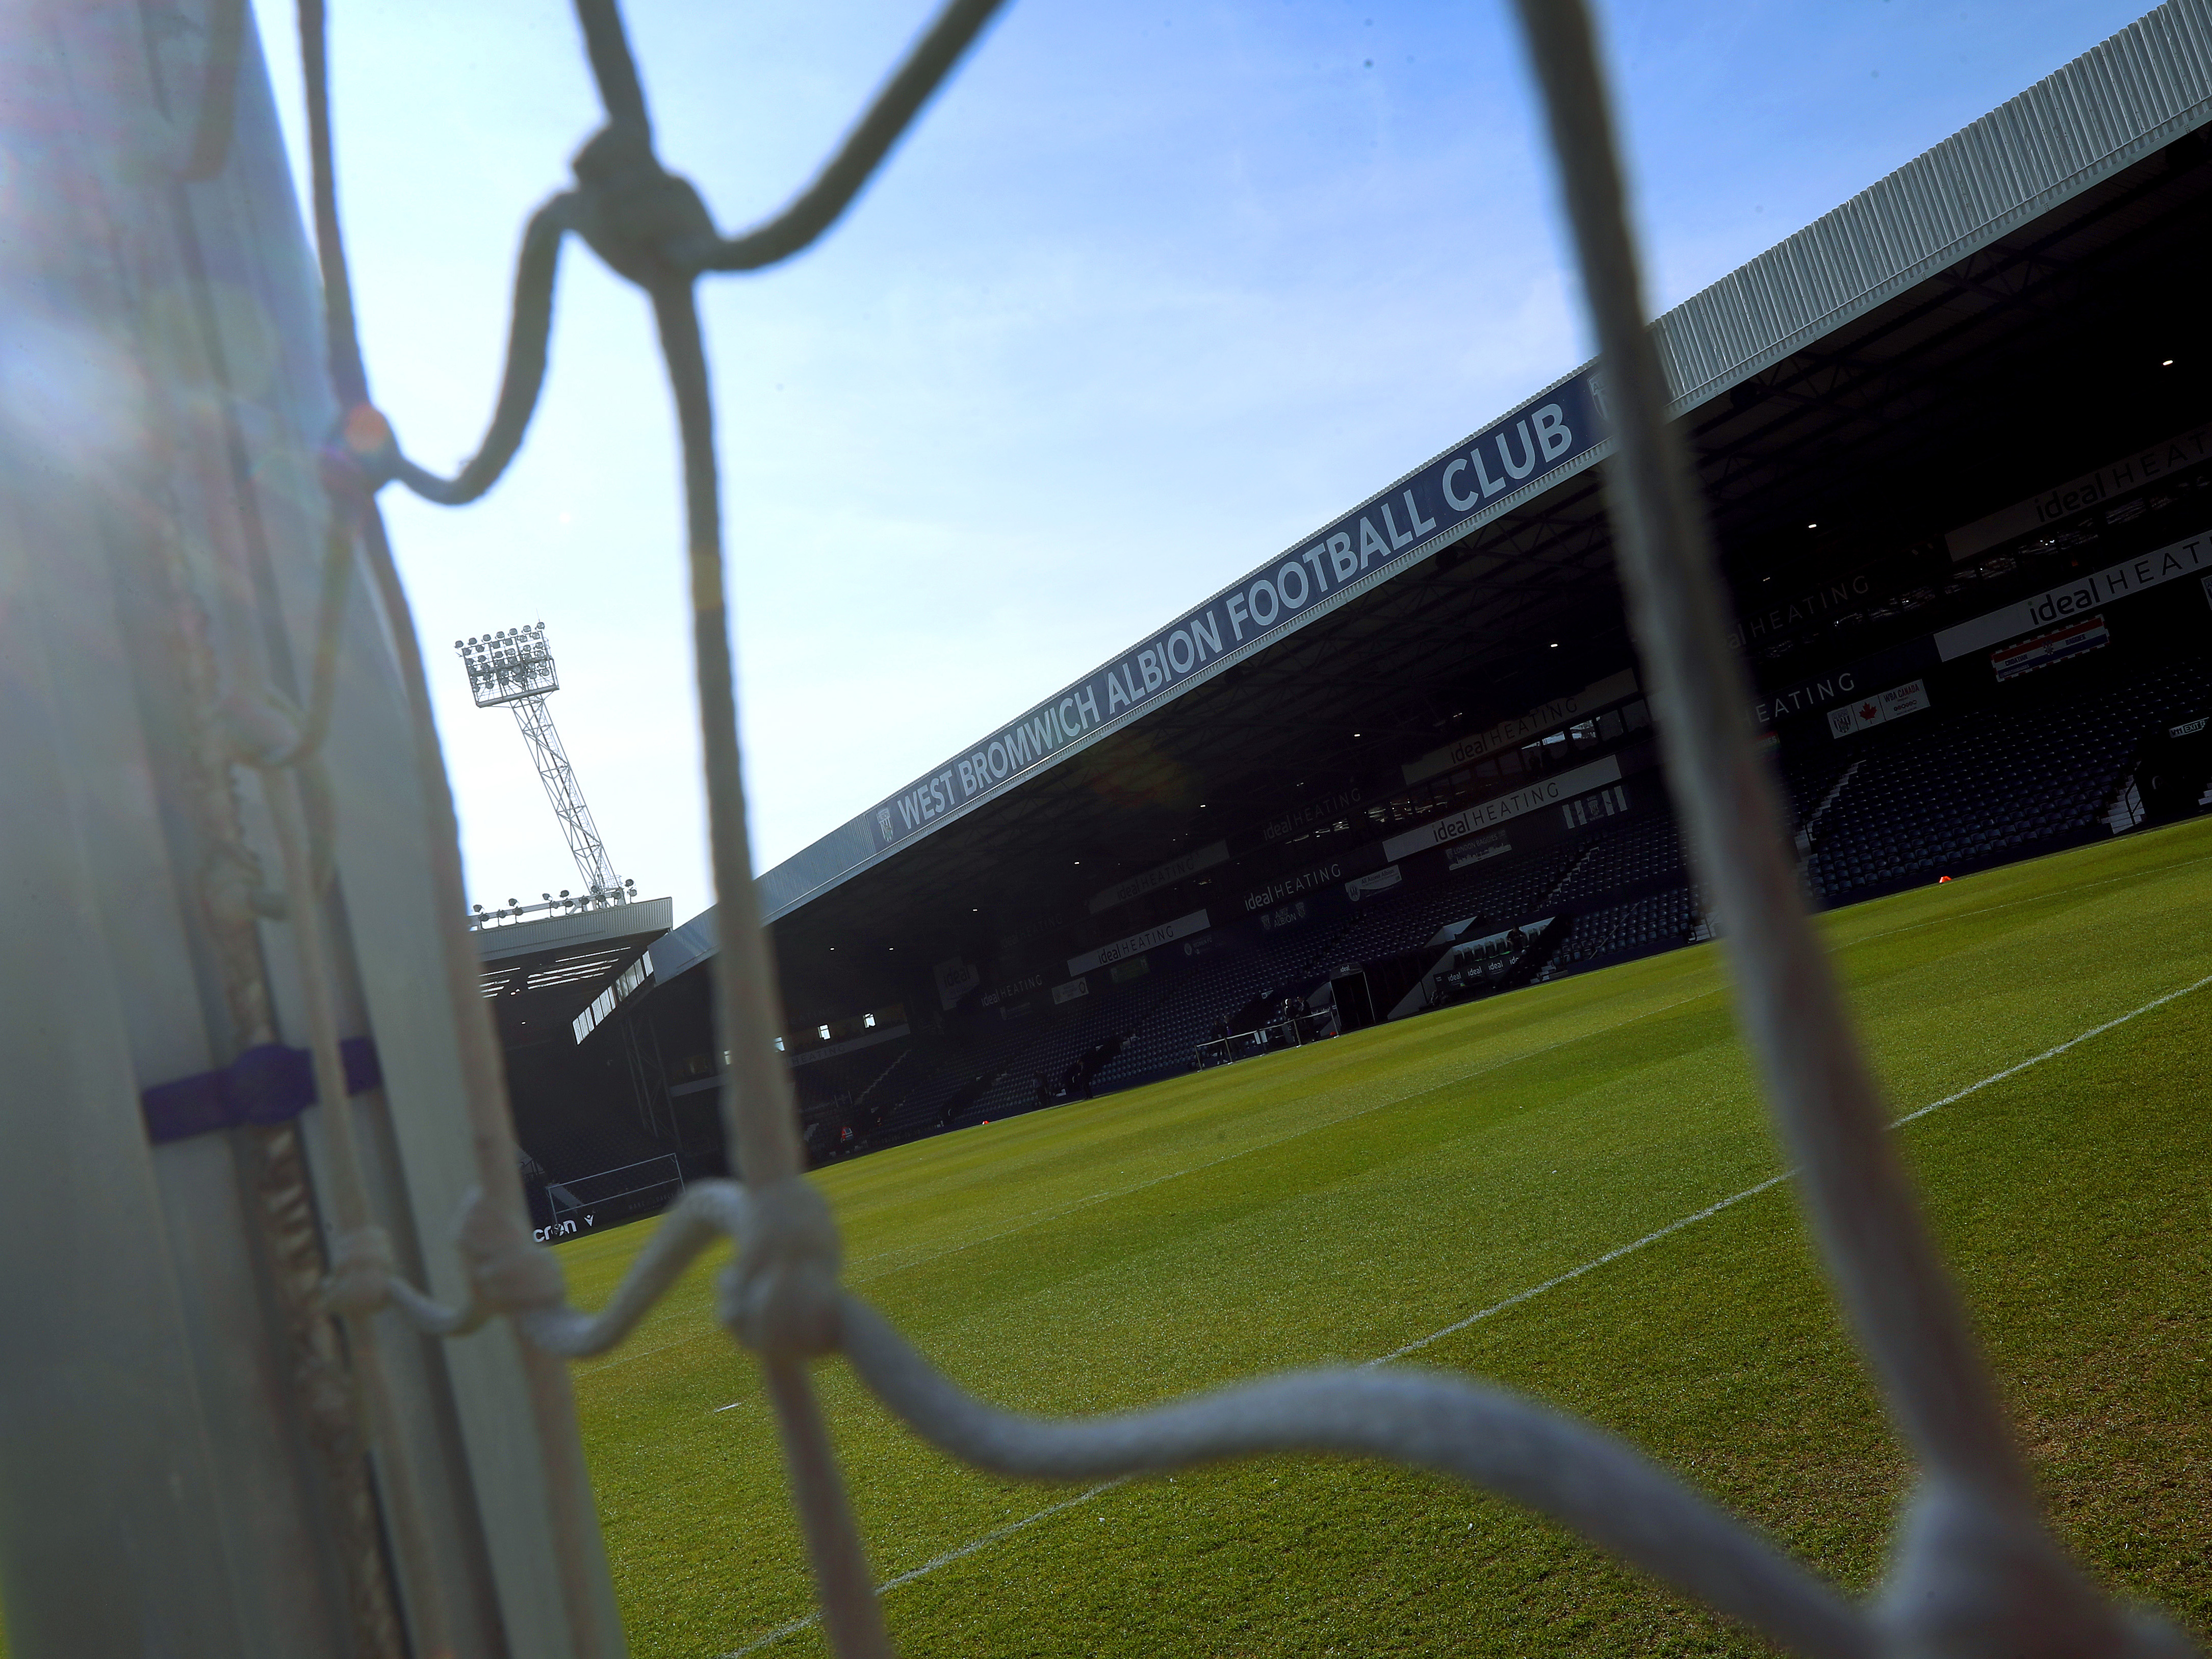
point(514, 668)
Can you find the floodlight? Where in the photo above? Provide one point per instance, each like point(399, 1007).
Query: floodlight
point(514, 667)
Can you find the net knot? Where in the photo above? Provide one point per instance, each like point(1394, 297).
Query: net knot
point(362, 457)
point(508, 1272)
point(362, 1270)
point(648, 223)
point(260, 733)
point(780, 1298)
point(1974, 1575)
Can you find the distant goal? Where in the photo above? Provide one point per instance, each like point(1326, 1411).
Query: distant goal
point(628, 1190)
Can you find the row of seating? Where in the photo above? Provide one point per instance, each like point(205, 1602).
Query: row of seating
point(1214, 986)
point(822, 1083)
point(1912, 798)
point(1645, 848)
point(1670, 917)
point(1106, 1017)
point(1508, 889)
point(1991, 781)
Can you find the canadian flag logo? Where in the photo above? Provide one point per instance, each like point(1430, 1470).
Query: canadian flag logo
point(1905, 699)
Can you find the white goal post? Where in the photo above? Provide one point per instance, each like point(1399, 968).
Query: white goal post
point(184, 1458)
point(616, 1194)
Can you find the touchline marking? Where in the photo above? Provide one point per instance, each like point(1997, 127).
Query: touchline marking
point(1712, 1209)
point(969, 1548)
point(935, 1562)
point(624, 1358)
point(1591, 1266)
point(2094, 1030)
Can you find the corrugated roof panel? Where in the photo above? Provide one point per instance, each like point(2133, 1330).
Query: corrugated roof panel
point(2058, 137)
point(2186, 52)
point(2164, 58)
point(1991, 182)
point(1833, 261)
point(1781, 284)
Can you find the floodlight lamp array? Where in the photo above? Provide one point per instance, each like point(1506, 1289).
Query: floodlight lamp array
point(508, 664)
point(599, 898)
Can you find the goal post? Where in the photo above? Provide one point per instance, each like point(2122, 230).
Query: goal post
point(184, 1455)
point(589, 1202)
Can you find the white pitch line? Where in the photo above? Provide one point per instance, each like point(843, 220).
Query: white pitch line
point(1712, 1210)
point(1591, 1266)
point(937, 1561)
point(2094, 1030)
point(969, 1548)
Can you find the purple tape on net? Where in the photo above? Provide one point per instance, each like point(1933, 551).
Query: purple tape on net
point(270, 1084)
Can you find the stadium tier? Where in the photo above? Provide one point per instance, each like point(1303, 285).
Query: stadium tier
point(1958, 460)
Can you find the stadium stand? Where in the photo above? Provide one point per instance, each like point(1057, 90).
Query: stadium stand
point(1622, 930)
point(1403, 920)
point(1969, 598)
point(1949, 792)
point(1219, 987)
point(1993, 781)
point(842, 1080)
point(1059, 1059)
point(937, 1079)
point(1643, 850)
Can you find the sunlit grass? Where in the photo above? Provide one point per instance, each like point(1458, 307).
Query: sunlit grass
point(1340, 1201)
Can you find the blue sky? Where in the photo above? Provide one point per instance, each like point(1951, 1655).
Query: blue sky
point(1149, 292)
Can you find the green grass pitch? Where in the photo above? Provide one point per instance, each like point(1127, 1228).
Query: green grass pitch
point(1342, 1201)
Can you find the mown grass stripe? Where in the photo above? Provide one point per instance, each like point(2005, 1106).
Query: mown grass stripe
point(976, 1545)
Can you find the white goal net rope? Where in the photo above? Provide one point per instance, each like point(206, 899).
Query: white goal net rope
point(1975, 1569)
